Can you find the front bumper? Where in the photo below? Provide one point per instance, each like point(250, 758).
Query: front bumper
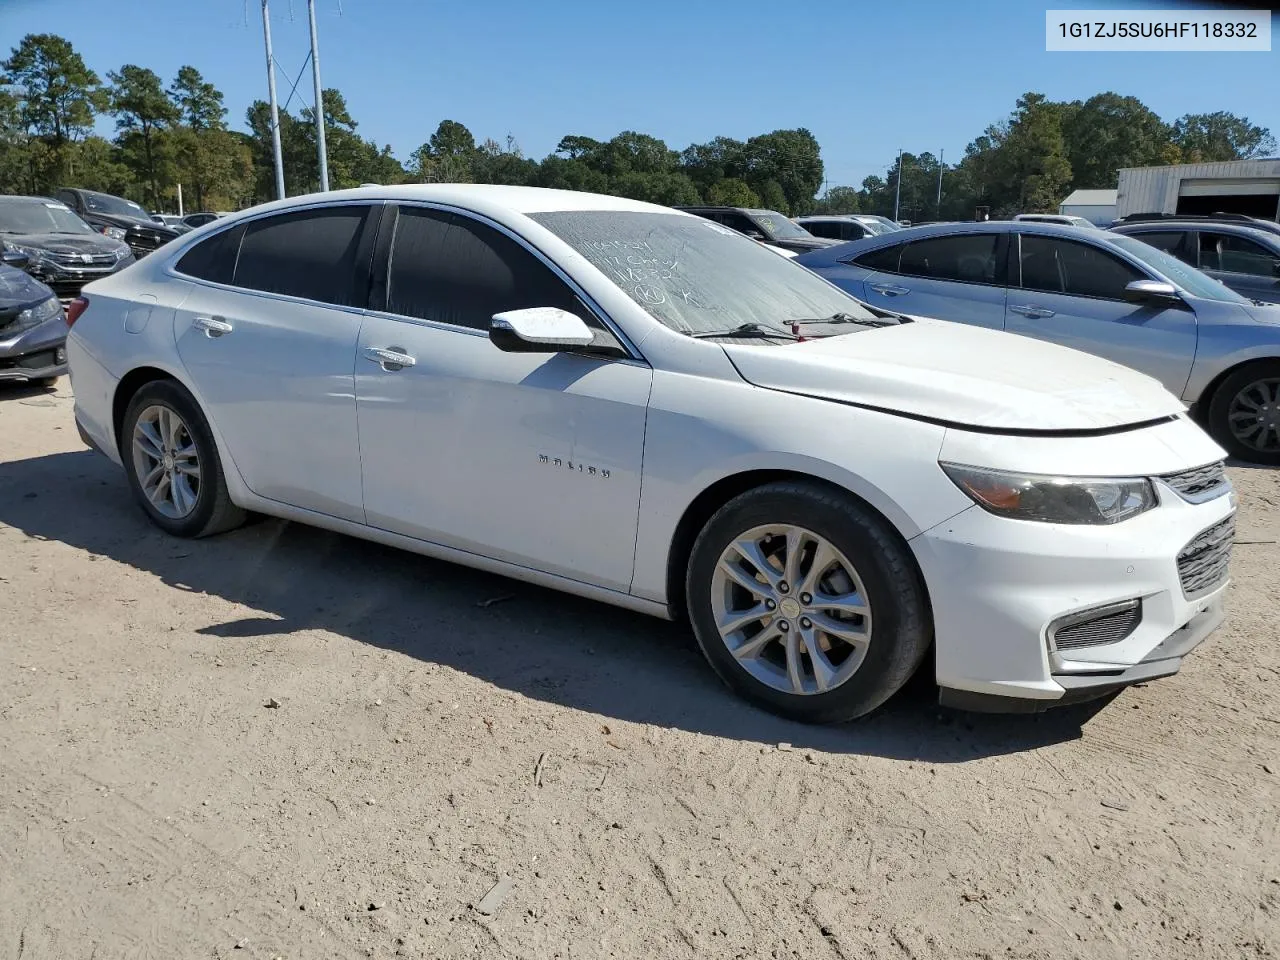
point(998, 586)
point(35, 354)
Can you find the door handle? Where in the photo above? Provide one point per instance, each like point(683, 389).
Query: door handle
point(212, 326)
point(1033, 313)
point(888, 289)
point(390, 359)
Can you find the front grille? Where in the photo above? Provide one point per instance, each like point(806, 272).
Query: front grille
point(1202, 564)
point(1200, 484)
point(1107, 625)
point(76, 260)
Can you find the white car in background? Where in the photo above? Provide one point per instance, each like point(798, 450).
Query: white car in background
point(641, 406)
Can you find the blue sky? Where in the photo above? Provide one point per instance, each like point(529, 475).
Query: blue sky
point(866, 77)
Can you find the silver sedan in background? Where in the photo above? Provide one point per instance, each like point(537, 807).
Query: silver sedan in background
point(1096, 291)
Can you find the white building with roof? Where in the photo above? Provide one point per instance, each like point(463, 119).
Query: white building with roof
point(1096, 206)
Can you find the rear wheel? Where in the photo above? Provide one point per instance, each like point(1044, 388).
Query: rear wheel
point(807, 603)
point(1244, 415)
point(172, 463)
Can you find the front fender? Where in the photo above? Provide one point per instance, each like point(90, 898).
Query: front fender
point(889, 462)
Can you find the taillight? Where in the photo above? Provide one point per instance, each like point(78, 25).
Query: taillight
point(75, 308)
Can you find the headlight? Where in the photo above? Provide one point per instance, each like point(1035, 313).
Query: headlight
point(1024, 496)
point(115, 233)
point(34, 316)
point(35, 256)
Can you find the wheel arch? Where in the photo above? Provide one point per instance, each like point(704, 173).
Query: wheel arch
point(1210, 391)
point(139, 377)
point(726, 488)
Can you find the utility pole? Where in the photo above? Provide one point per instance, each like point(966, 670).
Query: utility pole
point(897, 190)
point(315, 74)
point(938, 213)
point(271, 93)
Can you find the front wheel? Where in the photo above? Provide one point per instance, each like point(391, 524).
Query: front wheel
point(807, 603)
point(172, 463)
point(1244, 414)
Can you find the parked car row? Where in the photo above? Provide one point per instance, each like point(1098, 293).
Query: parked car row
point(1101, 291)
point(634, 404)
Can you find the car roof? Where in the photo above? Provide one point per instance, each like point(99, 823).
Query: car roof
point(10, 198)
point(481, 197)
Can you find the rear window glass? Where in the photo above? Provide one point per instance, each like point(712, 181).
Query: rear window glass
point(213, 259)
point(310, 254)
point(885, 259)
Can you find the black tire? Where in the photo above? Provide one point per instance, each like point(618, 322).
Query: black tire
point(214, 512)
point(902, 629)
point(1219, 424)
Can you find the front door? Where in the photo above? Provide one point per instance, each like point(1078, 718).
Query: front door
point(270, 349)
point(533, 459)
point(1072, 293)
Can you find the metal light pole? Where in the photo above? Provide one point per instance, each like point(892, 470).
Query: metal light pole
point(897, 192)
point(271, 93)
point(315, 74)
point(938, 212)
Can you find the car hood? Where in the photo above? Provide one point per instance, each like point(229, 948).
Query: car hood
point(967, 376)
point(19, 288)
point(806, 243)
point(1263, 312)
point(68, 242)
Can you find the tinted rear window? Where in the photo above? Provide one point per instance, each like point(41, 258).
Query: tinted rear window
point(310, 254)
point(213, 259)
point(885, 259)
point(969, 257)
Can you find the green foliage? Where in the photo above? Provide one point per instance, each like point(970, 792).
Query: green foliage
point(58, 94)
point(732, 192)
point(142, 109)
point(839, 200)
point(1108, 132)
point(1207, 137)
point(199, 103)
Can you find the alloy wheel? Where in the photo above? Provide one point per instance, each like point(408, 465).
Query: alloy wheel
point(1254, 415)
point(791, 609)
point(166, 461)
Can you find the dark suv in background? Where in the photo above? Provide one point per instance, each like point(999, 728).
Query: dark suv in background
point(56, 246)
point(767, 226)
point(119, 219)
point(1241, 252)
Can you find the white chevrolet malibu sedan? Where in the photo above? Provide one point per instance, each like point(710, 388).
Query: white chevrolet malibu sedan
point(641, 406)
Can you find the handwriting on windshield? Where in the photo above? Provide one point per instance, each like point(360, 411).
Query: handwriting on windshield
point(650, 278)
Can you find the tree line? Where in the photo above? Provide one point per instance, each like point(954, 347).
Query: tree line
point(51, 101)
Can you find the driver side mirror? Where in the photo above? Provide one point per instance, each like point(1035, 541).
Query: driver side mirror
point(16, 258)
point(538, 330)
point(755, 235)
point(1147, 291)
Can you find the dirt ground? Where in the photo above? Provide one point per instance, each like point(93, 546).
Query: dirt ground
point(287, 743)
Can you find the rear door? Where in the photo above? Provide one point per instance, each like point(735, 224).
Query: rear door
point(268, 336)
point(1244, 265)
point(959, 277)
point(1072, 293)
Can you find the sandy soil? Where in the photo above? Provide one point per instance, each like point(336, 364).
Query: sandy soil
point(285, 743)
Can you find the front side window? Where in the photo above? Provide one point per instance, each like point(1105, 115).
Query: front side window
point(1170, 241)
point(451, 269)
point(738, 221)
point(698, 277)
point(967, 257)
point(1221, 251)
point(824, 228)
point(309, 254)
point(1076, 269)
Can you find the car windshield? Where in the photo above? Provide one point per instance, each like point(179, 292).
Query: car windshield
point(886, 225)
point(779, 227)
point(104, 203)
point(696, 276)
point(1184, 275)
point(39, 216)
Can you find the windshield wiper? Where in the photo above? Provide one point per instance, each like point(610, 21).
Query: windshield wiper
point(747, 330)
point(846, 318)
